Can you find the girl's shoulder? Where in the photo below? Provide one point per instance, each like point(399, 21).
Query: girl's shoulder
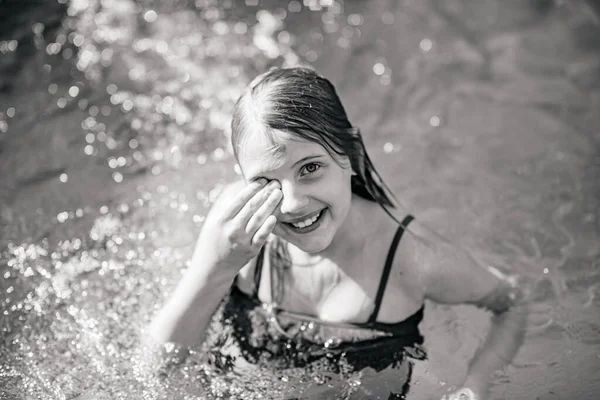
point(407, 272)
point(447, 273)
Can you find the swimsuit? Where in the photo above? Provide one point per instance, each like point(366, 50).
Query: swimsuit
point(283, 339)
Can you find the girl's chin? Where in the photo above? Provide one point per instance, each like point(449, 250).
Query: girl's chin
point(308, 244)
point(312, 248)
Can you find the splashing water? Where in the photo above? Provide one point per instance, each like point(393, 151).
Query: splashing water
point(114, 119)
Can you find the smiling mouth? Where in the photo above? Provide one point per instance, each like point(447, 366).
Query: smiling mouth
point(307, 224)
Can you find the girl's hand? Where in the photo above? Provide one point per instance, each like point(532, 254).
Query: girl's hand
point(238, 225)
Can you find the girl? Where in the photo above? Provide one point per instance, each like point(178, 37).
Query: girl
point(311, 258)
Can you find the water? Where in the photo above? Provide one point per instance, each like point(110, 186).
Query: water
point(114, 116)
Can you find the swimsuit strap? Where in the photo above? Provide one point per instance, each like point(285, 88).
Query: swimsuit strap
point(258, 270)
point(388, 267)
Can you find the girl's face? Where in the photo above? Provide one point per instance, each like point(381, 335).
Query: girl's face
point(316, 189)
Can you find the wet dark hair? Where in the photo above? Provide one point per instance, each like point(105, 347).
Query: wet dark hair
point(300, 101)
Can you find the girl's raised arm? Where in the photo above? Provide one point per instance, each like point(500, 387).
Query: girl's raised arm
point(235, 229)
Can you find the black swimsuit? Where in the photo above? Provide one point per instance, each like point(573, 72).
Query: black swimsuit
point(283, 339)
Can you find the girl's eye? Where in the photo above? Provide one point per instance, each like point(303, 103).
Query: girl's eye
point(310, 168)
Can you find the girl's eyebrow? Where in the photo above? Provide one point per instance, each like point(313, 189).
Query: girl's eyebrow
point(260, 174)
point(306, 159)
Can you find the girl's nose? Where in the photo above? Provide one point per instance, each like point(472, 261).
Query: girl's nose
point(294, 199)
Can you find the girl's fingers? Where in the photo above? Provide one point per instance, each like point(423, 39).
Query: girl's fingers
point(267, 208)
point(261, 235)
point(241, 199)
point(252, 205)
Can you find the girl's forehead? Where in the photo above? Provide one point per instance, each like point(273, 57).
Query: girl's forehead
point(276, 145)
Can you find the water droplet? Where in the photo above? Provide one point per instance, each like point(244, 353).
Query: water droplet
point(294, 6)
point(426, 45)
point(63, 178)
point(378, 69)
point(62, 217)
point(150, 16)
point(133, 144)
point(12, 45)
point(78, 40)
point(240, 28)
point(355, 19)
point(343, 42)
point(388, 147)
point(218, 154)
point(38, 28)
point(111, 89)
point(162, 47)
point(435, 121)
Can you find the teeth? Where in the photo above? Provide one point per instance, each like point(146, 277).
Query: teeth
point(306, 222)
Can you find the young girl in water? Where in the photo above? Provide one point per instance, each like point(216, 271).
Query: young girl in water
point(312, 256)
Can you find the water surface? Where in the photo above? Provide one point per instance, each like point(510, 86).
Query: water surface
point(114, 116)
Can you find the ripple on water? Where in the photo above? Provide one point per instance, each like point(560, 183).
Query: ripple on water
point(151, 86)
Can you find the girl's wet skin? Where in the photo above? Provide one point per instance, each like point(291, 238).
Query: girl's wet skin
point(114, 121)
point(313, 184)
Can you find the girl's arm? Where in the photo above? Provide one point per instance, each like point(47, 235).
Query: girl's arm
point(187, 313)
point(235, 229)
point(450, 275)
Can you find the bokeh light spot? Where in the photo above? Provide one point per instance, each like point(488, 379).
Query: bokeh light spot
point(294, 6)
point(150, 16)
point(426, 45)
point(378, 68)
point(355, 19)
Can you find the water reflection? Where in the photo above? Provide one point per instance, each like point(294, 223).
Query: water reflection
point(113, 131)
